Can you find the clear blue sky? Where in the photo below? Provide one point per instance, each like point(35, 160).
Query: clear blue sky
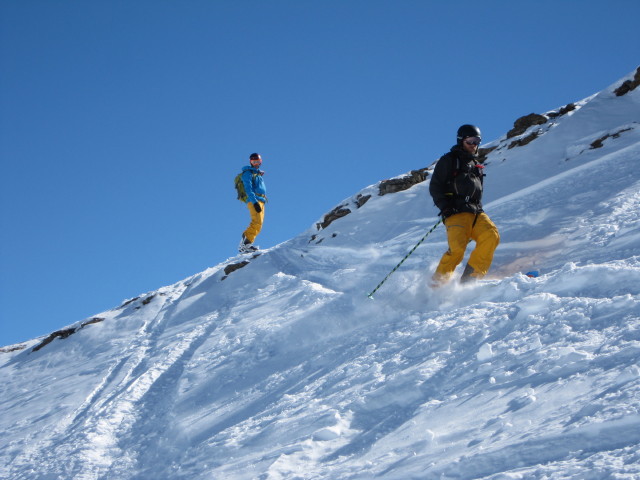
point(123, 123)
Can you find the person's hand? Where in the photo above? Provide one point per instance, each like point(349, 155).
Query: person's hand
point(257, 207)
point(447, 212)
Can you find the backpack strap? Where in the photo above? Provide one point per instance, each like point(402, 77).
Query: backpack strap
point(456, 170)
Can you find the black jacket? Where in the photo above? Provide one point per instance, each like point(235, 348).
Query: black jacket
point(456, 183)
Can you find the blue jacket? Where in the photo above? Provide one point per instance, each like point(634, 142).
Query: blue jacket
point(254, 184)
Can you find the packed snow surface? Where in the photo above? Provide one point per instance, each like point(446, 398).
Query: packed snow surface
point(285, 369)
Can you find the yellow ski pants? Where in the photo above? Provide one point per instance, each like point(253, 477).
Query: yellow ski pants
point(257, 219)
point(461, 229)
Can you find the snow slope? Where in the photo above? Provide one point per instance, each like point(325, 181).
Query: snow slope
point(284, 369)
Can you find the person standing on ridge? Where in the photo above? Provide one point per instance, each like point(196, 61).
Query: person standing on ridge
point(256, 192)
point(456, 187)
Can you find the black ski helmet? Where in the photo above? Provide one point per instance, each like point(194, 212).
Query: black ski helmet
point(468, 131)
point(255, 156)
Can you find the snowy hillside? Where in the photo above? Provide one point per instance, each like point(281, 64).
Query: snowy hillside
point(284, 369)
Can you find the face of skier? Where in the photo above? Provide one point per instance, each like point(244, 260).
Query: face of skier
point(255, 161)
point(470, 144)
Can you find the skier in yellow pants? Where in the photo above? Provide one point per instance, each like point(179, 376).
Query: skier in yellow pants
point(456, 187)
point(461, 229)
point(256, 196)
point(255, 226)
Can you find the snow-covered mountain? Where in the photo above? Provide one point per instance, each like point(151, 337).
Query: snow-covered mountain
point(282, 368)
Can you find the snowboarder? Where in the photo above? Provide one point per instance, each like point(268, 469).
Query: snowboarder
point(456, 187)
point(256, 193)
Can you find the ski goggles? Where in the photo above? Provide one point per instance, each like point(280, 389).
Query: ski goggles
point(473, 141)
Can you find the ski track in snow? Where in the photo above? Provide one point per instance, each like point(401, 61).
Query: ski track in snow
point(286, 370)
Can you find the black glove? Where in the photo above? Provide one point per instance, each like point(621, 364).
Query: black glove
point(447, 212)
point(257, 207)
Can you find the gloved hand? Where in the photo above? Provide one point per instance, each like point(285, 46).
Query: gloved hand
point(257, 207)
point(447, 212)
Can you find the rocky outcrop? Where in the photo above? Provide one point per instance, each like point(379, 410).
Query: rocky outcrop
point(362, 199)
point(145, 301)
point(392, 185)
point(338, 212)
point(483, 153)
point(628, 85)
point(232, 267)
point(65, 333)
point(523, 141)
point(599, 143)
point(522, 124)
point(341, 211)
point(13, 348)
point(403, 183)
point(570, 107)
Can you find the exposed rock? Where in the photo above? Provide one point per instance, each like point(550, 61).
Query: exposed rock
point(403, 183)
point(338, 212)
point(483, 153)
point(386, 186)
point(628, 85)
point(523, 141)
point(600, 142)
point(362, 199)
point(128, 302)
point(147, 300)
point(523, 123)
point(92, 321)
point(65, 333)
point(13, 348)
point(59, 334)
point(234, 266)
point(563, 111)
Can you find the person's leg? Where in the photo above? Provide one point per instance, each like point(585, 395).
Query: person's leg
point(257, 219)
point(487, 238)
point(458, 235)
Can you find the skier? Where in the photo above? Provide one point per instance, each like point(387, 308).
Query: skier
point(456, 187)
point(256, 198)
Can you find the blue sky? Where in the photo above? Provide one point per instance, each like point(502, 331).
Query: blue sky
point(122, 124)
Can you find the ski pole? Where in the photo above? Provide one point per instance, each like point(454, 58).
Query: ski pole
point(402, 261)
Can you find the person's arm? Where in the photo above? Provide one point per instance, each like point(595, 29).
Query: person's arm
point(247, 180)
point(439, 187)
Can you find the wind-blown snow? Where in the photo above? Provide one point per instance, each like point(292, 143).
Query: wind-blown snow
point(286, 370)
